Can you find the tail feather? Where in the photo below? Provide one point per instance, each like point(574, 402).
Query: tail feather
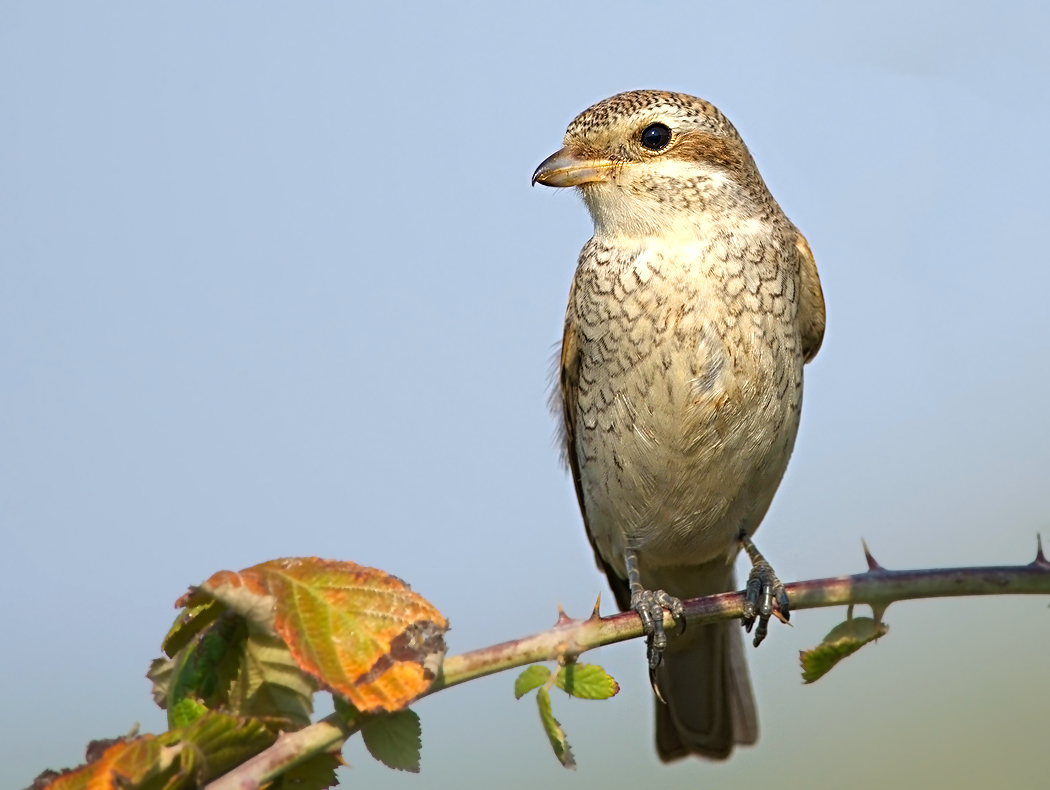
point(741, 698)
point(703, 678)
point(709, 704)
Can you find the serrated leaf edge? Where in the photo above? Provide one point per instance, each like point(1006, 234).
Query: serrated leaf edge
point(554, 731)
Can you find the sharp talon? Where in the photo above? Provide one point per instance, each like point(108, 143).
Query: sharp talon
point(656, 688)
point(760, 634)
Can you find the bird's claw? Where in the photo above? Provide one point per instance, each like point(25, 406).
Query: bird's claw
point(763, 587)
point(650, 606)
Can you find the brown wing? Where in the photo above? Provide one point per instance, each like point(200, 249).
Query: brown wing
point(568, 388)
point(811, 315)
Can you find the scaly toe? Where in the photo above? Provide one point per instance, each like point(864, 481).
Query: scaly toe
point(650, 606)
point(763, 587)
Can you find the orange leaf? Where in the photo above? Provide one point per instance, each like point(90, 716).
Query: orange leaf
point(125, 762)
point(361, 632)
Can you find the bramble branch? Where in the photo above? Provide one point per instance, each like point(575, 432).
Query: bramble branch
point(877, 587)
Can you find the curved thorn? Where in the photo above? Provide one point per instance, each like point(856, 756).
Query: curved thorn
point(1040, 558)
point(563, 619)
point(597, 605)
point(873, 564)
point(877, 611)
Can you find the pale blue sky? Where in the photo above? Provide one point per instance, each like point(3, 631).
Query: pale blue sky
point(273, 282)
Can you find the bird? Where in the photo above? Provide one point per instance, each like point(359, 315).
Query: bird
point(692, 311)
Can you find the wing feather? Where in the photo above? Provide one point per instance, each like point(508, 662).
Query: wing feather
point(811, 314)
point(568, 388)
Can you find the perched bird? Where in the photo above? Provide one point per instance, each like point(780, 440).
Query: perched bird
point(692, 312)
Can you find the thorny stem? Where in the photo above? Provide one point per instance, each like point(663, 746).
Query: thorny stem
point(877, 587)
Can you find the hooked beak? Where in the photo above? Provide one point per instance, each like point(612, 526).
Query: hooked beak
point(567, 168)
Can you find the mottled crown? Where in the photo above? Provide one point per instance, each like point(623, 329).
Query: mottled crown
point(688, 113)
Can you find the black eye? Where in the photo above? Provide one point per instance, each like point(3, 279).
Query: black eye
point(656, 137)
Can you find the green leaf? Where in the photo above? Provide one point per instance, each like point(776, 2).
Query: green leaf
point(220, 743)
point(186, 711)
point(586, 681)
point(161, 671)
point(843, 640)
point(394, 739)
point(203, 671)
point(316, 773)
point(532, 677)
point(270, 684)
point(188, 624)
point(555, 733)
point(219, 650)
point(227, 668)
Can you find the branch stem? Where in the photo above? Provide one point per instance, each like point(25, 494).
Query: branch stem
point(878, 587)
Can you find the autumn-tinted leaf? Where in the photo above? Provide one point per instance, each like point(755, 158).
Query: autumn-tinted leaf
point(586, 681)
point(69, 779)
point(555, 733)
point(79, 777)
point(843, 640)
point(47, 777)
point(126, 762)
point(394, 739)
point(180, 759)
point(533, 677)
point(316, 773)
point(362, 632)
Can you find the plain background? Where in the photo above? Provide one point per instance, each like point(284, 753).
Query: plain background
point(273, 282)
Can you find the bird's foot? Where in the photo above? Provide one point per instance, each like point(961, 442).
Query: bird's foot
point(650, 605)
point(762, 588)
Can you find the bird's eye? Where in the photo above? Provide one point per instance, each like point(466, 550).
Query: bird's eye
point(656, 136)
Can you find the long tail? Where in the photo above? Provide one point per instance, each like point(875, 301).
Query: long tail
point(709, 703)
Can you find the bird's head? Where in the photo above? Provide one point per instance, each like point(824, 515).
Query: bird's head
point(652, 163)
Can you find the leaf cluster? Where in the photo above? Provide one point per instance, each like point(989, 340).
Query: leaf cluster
point(244, 658)
point(584, 681)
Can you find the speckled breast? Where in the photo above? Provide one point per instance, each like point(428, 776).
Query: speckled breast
point(690, 391)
